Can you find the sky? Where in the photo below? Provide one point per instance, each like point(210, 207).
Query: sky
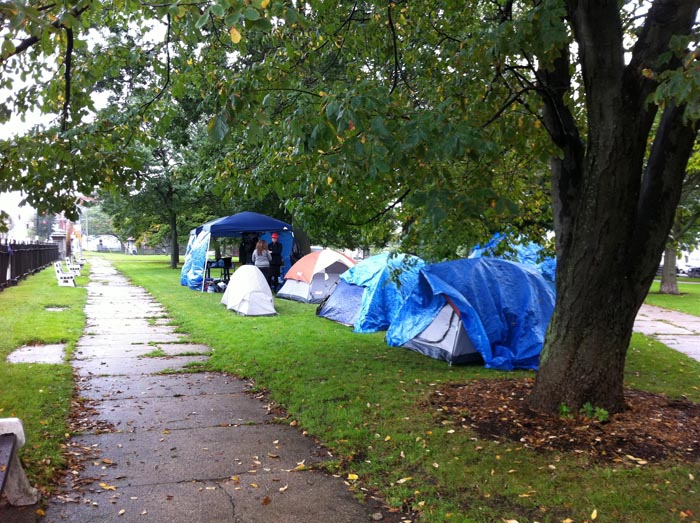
point(9, 202)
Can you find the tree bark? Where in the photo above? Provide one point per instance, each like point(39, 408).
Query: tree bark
point(174, 246)
point(612, 216)
point(669, 280)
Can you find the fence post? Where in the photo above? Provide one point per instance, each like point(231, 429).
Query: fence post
point(4, 264)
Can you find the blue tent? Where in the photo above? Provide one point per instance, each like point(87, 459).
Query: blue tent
point(343, 303)
point(375, 281)
point(236, 225)
point(242, 222)
point(528, 254)
point(504, 307)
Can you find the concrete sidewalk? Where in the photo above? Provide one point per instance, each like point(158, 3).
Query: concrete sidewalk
point(181, 447)
point(674, 329)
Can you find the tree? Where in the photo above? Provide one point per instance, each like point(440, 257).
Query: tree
point(153, 209)
point(421, 116)
point(684, 233)
point(411, 112)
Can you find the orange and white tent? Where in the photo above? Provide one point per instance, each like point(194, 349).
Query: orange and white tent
point(314, 276)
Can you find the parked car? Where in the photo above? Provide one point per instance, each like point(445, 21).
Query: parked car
point(693, 272)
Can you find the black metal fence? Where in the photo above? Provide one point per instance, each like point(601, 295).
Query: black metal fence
point(19, 260)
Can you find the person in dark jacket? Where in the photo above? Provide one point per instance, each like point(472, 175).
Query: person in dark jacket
point(276, 263)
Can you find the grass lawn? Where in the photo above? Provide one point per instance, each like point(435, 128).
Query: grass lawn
point(688, 301)
point(367, 403)
point(38, 311)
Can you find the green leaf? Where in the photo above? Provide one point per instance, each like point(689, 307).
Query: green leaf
point(202, 20)
point(218, 128)
point(251, 14)
point(291, 16)
point(17, 20)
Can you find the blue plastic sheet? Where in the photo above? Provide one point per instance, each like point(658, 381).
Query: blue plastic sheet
point(386, 281)
point(505, 308)
point(528, 254)
point(196, 267)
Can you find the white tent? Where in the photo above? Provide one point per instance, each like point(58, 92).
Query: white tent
point(314, 276)
point(248, 293)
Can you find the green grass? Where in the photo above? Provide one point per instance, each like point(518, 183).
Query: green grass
point(688, 301)
point(40, 394)
point(367, 403)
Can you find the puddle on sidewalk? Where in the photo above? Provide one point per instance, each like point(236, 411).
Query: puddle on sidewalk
point(38, 354)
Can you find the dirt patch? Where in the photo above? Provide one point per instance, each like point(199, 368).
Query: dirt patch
point(653, 428)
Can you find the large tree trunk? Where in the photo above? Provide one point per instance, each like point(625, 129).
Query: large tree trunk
point(669, 279)
point(611, 216)
point(174, 246)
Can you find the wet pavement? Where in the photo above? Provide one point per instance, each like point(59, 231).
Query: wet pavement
point(180, 446)
point(674, 329)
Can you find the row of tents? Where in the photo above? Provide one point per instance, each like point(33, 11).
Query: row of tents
point(461, 311)
point(471, 310)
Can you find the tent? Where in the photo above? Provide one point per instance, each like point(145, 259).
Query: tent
point(527, 253)
point(502, 307)
point(248, 293)
point(312, 278)
point(371, 293)
point(236, 225)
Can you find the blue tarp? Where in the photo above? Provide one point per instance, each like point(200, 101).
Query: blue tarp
point(193, 269)
point(381, 296)
point(505, 308)
point(528, 254)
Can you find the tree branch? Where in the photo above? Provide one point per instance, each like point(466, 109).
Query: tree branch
point(392, 28)
point(663, 182)
point(67, 76)
point(32, 40)
point(144, 107)
point(384, 211)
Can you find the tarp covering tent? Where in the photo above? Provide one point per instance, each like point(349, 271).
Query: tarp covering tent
point(504, 308)
point(248, 293)
point(525, 253)
point(192, 273)
point(375, 279)
point(236, 225)
point(312, 278)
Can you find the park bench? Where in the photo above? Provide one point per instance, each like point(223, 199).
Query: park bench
point(65, 279)
point(73, 266)
point(13, 480)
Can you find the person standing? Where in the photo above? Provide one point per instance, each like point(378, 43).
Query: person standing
point(261, 259)
point(276, 262)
